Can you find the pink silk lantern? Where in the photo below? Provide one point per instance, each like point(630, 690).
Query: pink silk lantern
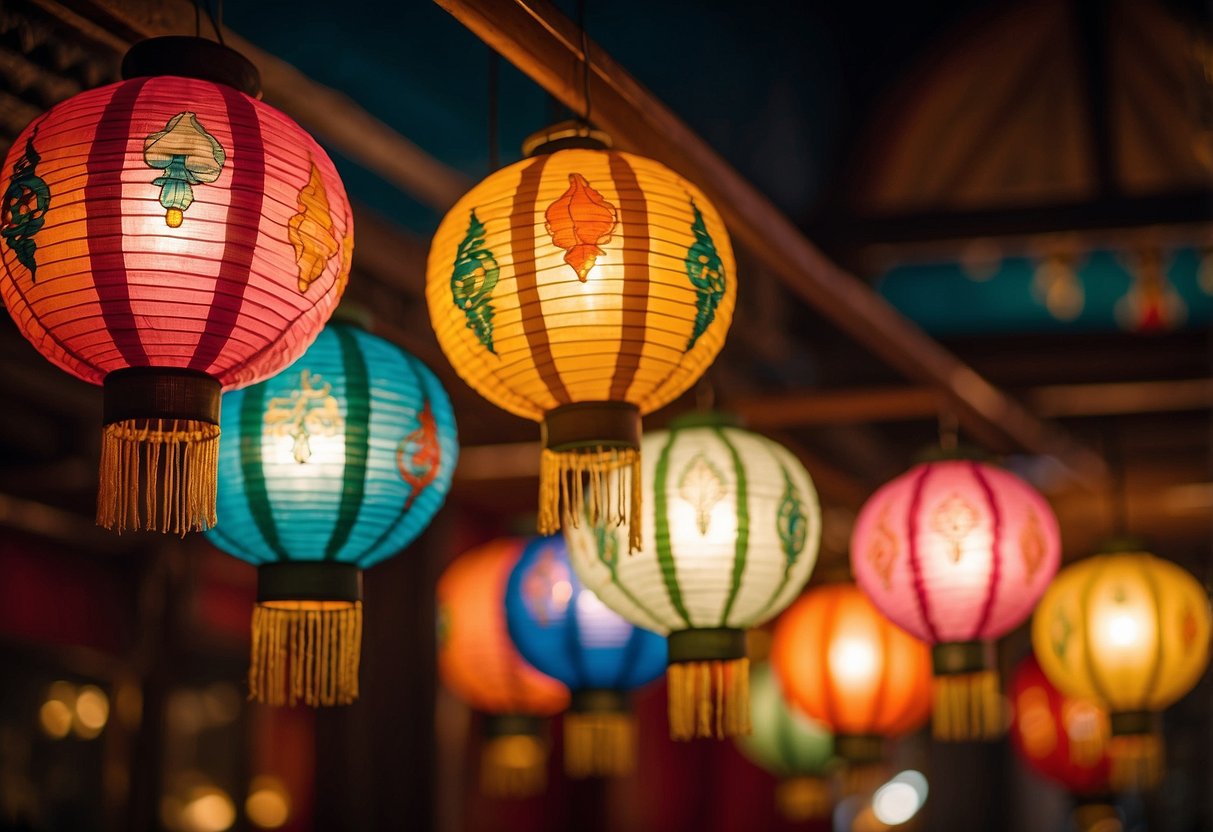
point(957, 552)
point(168, 237)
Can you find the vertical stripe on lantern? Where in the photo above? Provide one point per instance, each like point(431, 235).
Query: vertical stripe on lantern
point(634, 225)
point(996, 532)
point(920, 593)
point(1159, 655)
point(741, 544)
point(661, 517)
point(357, 439)
point(522, 241)
point(247, 192)
point(1101, 690)
point(103, 194)
point(252, 469)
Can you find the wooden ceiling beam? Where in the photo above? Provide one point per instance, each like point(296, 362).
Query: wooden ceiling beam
point(546, 45)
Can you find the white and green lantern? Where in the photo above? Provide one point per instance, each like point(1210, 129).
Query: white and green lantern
point(730, 531)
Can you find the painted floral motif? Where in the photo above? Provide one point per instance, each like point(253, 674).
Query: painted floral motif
point(882, 553)
point(953, 519)
point(308, 411)
point(26, 201)
point(1189, 628)
point(311, 231)
point(791, 522)
point(472, 282)
point(706, 272)
point(580, 221)
point(419, 456)
point(546, 589)
point(1031, 546)
point(702, 486)
point(1061, 631)
point(189, 156)
point(606, 543)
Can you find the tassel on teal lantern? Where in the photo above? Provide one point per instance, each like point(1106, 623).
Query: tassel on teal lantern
point(560, 627)
point(333, 465)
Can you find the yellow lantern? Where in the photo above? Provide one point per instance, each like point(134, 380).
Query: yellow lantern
point(582, 288)
point(1130, 631)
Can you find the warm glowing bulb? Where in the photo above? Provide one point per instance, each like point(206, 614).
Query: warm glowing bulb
point(895, 803)
point(1123, 630)
point(210, 811)
point(55, 718)
point(853, 661)
point(92, 711)
point(562, 591)
point(268, 805)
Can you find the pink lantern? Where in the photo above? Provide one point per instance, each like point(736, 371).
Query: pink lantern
point(957, 552)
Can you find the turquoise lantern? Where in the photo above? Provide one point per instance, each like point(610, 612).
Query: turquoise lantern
point(560, 627)
point(796, 749)
point(333, 465)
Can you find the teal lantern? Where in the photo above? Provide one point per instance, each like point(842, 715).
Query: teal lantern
point(560, 627)
point(796, 749)
point(333, 465)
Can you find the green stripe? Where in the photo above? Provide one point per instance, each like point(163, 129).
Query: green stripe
point(789, 562)
point(661, 529)
point(742, 544)
point(357, 438)
point(252, 413)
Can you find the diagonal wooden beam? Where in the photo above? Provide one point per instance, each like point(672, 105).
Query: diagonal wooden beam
point(546, 45)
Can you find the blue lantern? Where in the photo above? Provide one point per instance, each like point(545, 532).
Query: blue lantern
point(562, 628)
point(333, 465)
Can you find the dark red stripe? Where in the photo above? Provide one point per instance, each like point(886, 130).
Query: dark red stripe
point(920, 593)
point(634, 226)
point(522, 241)
point(995, 554)
point(103, 221)
point(246, 159)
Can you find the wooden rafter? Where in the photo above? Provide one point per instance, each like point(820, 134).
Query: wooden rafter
point(546, 45)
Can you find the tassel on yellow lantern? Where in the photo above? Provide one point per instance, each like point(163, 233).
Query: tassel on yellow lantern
point(582, 288)
point(1130, 631)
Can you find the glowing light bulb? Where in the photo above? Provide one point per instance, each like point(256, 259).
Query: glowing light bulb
point(900, 799)
point(1123, 630)
point(853, 661)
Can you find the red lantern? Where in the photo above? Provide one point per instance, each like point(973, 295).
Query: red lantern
point(1061, 737)
point(167, 237)
point(957, 552)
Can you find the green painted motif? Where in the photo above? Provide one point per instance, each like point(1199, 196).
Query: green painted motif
point(26, 201)
point(473, 280)
point(606, 543)
point(706, 272)
point(741, 542)
point(189, 156)
point(661, 530)
point(702, 486)
point(791, 522)
point(1062, 630)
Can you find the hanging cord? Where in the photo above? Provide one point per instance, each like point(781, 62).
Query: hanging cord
point(216, 19)
point(197, 18)
point(494, 94)
point(949, 429)
point(705, 394)
point(585, 62)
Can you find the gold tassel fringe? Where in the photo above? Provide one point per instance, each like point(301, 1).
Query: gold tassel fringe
point(306, 651)
point(1137, 761)
point(863, 779)
point(803, 798)
point(599, 744)
point(513, 766)
point(968, 706)
point(601, 485)
point(158, 474)
point(709, 699)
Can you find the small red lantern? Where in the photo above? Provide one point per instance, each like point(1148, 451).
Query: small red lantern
point(1061, 737)
point(169, 236)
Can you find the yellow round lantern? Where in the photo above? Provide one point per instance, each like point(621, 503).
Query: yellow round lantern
point(582, 288)
point(1130, 631)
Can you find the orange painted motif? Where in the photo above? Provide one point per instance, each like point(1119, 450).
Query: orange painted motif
point(580, 222)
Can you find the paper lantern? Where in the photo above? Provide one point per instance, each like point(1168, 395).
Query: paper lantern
point(731, 526)
point(841, 662)
point(478, 663)
point(562, 629)
point(1061, 737)
point(957, 552)
point(1132, 632)
point(167, 237)
point(796, 749)
point(582, 287)
point(329, 467)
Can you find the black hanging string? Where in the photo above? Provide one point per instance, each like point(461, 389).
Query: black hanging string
point(494, 83)
point(197, 18)
point(949, 429)
point(585, 61)
point(216, 20)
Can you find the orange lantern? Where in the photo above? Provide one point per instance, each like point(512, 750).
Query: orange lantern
point(479, 664)
point(844, 664)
